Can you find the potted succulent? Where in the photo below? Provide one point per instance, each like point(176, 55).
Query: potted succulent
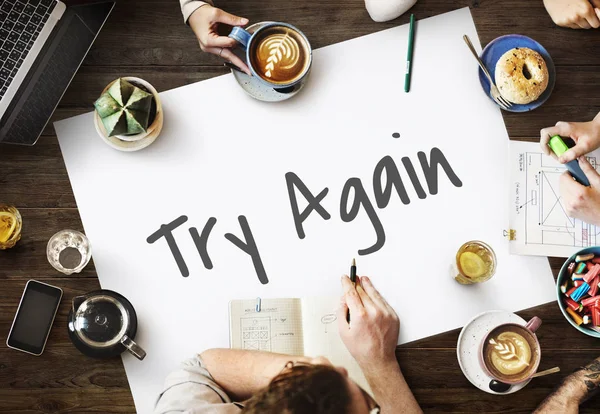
point(128, 114)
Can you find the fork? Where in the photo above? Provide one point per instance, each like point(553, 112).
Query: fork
point(496, 95)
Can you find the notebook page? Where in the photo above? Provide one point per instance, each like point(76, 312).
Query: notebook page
point(537, 212)
point(321, 336)
point(276, 328)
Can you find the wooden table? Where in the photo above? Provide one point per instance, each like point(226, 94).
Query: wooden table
point(147, 38)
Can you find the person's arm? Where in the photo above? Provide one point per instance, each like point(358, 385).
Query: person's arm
point(190, 6)
point(371, 337)
point(242, 373)
point(574, 390)
point(575, 14)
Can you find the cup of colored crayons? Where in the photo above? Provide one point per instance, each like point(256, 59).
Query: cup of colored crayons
point(578, 290)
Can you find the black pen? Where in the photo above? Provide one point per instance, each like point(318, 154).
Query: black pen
point(352, 279)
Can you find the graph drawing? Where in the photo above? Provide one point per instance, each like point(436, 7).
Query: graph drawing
point(256, 333)
point(547, 221)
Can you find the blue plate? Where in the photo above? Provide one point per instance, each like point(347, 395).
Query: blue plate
point(497, 47)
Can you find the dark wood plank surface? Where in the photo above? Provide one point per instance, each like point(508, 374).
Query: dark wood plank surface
point(147, 38)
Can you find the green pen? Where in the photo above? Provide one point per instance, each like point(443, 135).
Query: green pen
point(409, 55)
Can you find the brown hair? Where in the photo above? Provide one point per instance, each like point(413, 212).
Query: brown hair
point(314, 389)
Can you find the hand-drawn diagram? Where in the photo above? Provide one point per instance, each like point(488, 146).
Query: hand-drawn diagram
point(328, 319)
point(256, 333)
point(546, 219)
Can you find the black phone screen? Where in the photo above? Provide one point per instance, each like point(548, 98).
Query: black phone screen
point(34, 318)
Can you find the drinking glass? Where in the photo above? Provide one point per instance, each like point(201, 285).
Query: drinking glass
point(475, 263)
point(10, 226)
point(69, 251)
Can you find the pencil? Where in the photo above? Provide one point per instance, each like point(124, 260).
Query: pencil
point(409, 55)
point(353, 280)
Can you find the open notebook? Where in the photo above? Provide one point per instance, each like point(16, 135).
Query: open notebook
point(306, 326)
point(539, 223)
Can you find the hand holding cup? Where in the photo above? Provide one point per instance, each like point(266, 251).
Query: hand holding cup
point(205, 22)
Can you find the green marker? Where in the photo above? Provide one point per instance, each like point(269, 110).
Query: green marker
point(409, 55)
point(558, 146)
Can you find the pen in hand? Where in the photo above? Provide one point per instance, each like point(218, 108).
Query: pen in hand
point(353, 280)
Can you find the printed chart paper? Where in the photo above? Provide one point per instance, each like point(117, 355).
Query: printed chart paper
point(537, 212)
point(274, 200)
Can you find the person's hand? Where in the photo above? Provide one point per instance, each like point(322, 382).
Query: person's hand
point(585, 134)
point(372, 334)
point(204, 21)
point(576, 14)
point(582, 202)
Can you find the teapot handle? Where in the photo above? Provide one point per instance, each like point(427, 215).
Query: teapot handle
point(132, 347)
point(77, 301)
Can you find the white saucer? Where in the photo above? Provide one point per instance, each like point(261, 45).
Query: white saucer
point(253, 86)
point(467, 348)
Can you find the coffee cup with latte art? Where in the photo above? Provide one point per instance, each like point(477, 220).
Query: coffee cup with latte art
point(278, 54)
point(511, 352)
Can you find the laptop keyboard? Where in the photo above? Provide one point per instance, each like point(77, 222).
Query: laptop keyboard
point(20, 24)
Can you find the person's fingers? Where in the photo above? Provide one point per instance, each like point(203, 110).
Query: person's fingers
point(589, 14)
point(365, 299)
point(566, 180)
point(545, 135)
point(222, 16)
point(352, 299)
point(581, 148)
point(376, 296)
point(342, 313)
point(567, 186)
point(583, 23)
point(220, 41)
point(595, 3)
point(589, 171)
point(230, 56)
point(592, 18)
point(372, 292)
point(597, 10)
point(347, 285)
point(562, 129)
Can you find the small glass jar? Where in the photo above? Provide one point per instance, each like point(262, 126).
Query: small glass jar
point(69, 251)
point(10, 226)
point(475, 262)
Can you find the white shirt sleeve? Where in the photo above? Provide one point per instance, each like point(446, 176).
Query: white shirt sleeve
point(192, 390)
point(190, 6)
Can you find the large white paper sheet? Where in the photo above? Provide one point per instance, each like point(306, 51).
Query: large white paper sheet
point(537, 211)
point(211, 161)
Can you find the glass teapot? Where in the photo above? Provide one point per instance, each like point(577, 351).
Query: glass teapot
point(103, 324)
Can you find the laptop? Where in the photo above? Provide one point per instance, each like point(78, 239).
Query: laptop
point(42, 44)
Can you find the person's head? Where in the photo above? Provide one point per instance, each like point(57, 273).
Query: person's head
point(316, 388)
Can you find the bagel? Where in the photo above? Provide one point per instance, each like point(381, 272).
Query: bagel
point(521, 75)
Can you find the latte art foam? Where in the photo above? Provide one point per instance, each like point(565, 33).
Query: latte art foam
point(509, 353)
point(280, 55)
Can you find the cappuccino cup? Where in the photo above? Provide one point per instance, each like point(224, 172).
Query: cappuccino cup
point(510, 352)
point(278, 54)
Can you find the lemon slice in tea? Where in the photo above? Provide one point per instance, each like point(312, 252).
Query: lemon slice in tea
point(472, 265)
point(8, 223)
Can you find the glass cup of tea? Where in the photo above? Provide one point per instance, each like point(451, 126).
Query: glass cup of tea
point(10, 226)
point(475, 263)
point(69, 251)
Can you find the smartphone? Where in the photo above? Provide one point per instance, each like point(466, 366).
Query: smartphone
point(35, 316)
